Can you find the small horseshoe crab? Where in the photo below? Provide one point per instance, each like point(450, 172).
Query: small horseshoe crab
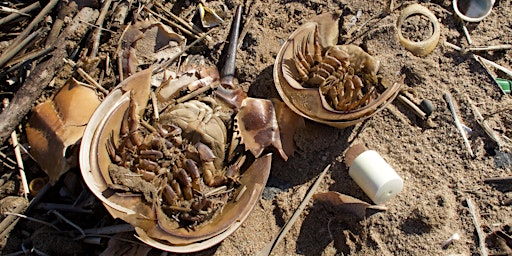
point(328, 83)
point(179, 172)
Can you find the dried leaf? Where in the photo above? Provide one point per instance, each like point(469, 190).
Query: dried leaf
point(344, 203)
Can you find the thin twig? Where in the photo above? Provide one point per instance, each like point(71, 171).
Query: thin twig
point(270, 246)
point(12, 10)
point(480, 60)
point(63, 207)
point(18, 61)
point(496, 65)
point(19, 159)
point(184, 23)
point(42, 14)
point(448, 98)
point(4, 156)
point(489, 48)
point(9, 53)
point(476, 222)
point(166, 63)
point(97, 33)
point(466, 33)
point(87, 77)
point(13, 16)
point(60, 216)
point(483, 123)
point(10, 221)
point(184, 30)
point(34, 220)
point(154, 102)
point(108, 230)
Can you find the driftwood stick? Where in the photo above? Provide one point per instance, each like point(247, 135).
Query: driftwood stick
point(9, 53)
point(13, 16)
point(170, 22)
point(41, 76)
point(10, 221)
point(184, 23)
point(97, 32)
point(489, 48)
point(87, 77)
point(44, 12)
point(4, 156)
point(483, 123)
point(448, 98)
point(17, 153)
point(476, 222)
point(16, 62)
point(65, 11)
point(270, 246)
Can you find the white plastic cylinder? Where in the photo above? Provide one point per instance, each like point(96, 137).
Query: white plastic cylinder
point(375, 176)
point(473, 10)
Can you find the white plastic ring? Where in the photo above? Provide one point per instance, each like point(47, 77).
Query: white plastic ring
point(424, 47)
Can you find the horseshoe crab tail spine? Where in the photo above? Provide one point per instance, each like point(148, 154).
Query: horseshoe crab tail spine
point(228, 71)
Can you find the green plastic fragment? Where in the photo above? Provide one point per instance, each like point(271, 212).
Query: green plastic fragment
point(505, 84)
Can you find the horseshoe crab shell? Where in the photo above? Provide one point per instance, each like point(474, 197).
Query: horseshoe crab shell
point(94, 163)
point(309, 102)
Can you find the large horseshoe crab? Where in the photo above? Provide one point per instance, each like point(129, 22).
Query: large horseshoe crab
point(328, 83)
point(180, 178)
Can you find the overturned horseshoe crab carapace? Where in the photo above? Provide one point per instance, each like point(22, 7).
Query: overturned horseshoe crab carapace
point(161, 218)
point(185, 179)
point(328, 83)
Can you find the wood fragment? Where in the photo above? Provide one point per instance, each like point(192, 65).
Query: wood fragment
point(476, 222)
point(412, 106)
point(109, 230)
point(482, 62)
point(41, 75)
point(65, 10)
point(495, 65)
point(483, 123)
point(4, 156)
point(448, 98)
point(87, 77)
point(9, 53)
point(18, 61)
point(154, 103)
point(97, 32)
point(489, 48)
point(466, 33)
point(9, 222)
point(13, 16)
point(42, 14)
point(69, 222)
point(182, 22)
point(270, 246)
point(63, 207)
point(19, 159)
point(171, 23)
